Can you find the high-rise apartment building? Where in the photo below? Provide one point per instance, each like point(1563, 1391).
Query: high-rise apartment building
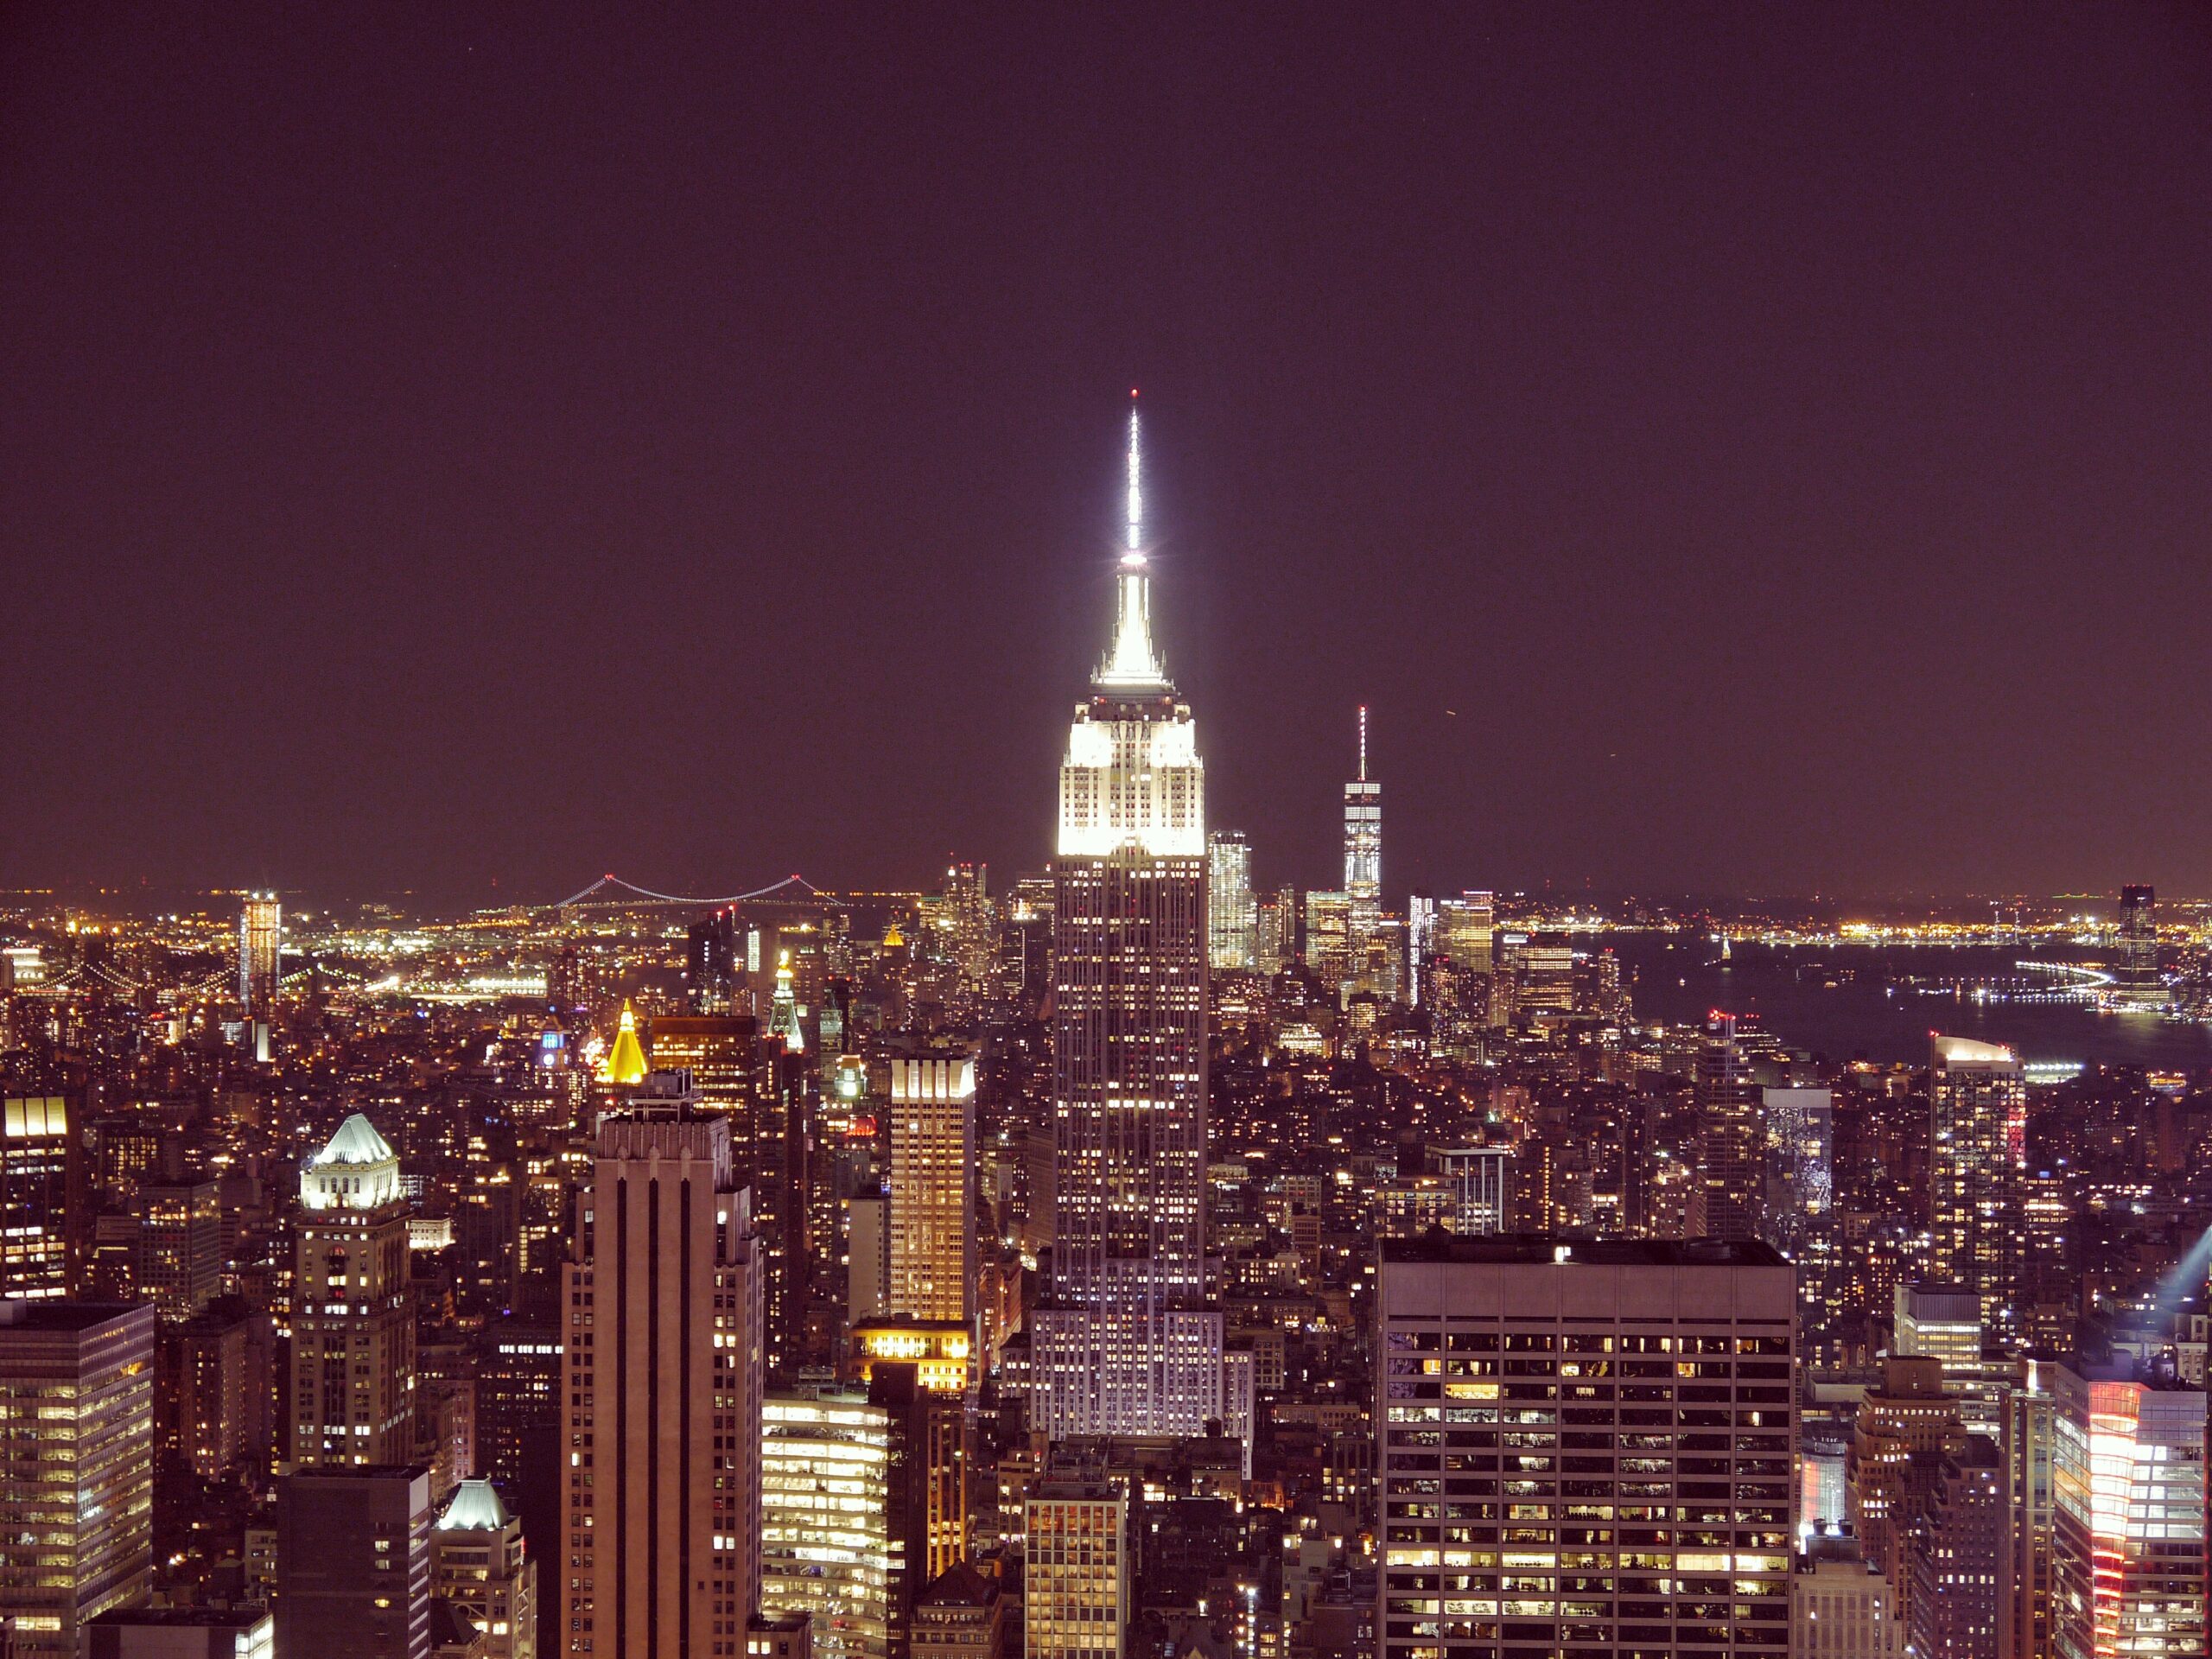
point(1460, 966)
point(1800, 1126)
point(519, 1412)
point(933, 1187)
point(43, 1206)
point(1978, 1101)
point(1078, 1569)
point(76, 1468)
point(2029, 1442)
point(1231, 915)
point(1909, 1415)
point(1585, 1446)
point(1126, 1342)
point(353, 1562)
point(825, 1529)
point(225, 1389)
point(1729, 1200)
point(662, 1376)
point(480, 1565)
point(1957, 1557)
point(2127, 1564)
point(352, 1387)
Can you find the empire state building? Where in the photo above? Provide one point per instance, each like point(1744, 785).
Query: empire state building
point(1127, 1344)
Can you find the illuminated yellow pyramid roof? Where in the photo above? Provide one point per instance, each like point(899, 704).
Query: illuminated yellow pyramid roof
point(626, 1062)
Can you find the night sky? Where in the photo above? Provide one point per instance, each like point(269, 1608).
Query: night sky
point(1762, 450)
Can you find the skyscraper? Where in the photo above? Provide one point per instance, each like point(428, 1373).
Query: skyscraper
point(1539, 1383)
point(2139, 986)
point(1978, 1162)
point(825, 1457)
point(261, 941)
point(663, 1465)
point(933, 1187)
point(1127, 1344)
point(353, 1393)
point(2127, 1567)
point(1363, 830)
point(1730, 1199)
point(1078, 1568)
point(1230, 913)
point(42, 1203)
point(76, 1467)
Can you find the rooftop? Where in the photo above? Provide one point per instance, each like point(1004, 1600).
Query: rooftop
point(62, 1316)
point(475, 1507)
point(1545, 1248)
point(357, 1142)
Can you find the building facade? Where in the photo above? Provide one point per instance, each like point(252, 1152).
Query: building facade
point(1537, 1496)
point(353, 1562)
point(662, 1370)
point(76, 1467)
point(1126, 1342)
point(1978, 1100)
point(932, 1243)
point(825, 1527)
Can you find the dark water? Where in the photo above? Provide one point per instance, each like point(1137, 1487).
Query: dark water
point(1888, 998)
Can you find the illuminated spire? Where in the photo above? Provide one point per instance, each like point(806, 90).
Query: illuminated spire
point(1133, 663)
point(1362, 742)
point(1136, 496)
point(626, 1061)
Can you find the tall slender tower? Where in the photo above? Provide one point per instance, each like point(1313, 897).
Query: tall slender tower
point(1126, 1344)
point(1363, 831)
point(663, 1531)
point(353, 1394)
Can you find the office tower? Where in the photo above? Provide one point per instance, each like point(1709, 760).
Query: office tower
point(1126, 1344)
point(1799, 1152)
point(1363, 831)
point(1275, 945)
point(664, 1475)
point(2028, 1441)
point(1230, 913)
point(353, 1393)
point(1939, 1322)
point(179, 1262)
point(1729, 1199)
point(1909, 1415)
point(1076, 1569)
point(2127, 1564)
point(1328, 949)
point(737, 1076)
point(933, 1187)
point(76, 1467)
point(960, 1615)
point(1957, 1557)
point(825, 1529)
point(518, 1413)
point(968, 906)
point(1573, 1364)
point(1977, 1160)
point(480, 1564)
point(261, 942)
point(353, 1562)
point(182, 1633)
point(925, 1486)
point(571, 981)
point(43, 1198)
point(714, 967)
point(1460, 966)
point(1480, 1184)
point(2137, 983)
point(1840, 1606)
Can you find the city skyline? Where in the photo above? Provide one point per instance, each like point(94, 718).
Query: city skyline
point(1820, 470)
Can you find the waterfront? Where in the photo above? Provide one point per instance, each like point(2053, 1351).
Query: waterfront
point(1880, 1002)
